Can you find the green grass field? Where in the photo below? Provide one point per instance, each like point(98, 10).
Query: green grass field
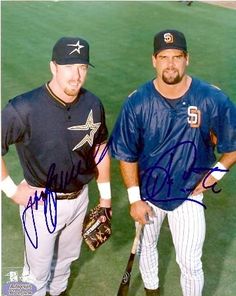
point(120, 36)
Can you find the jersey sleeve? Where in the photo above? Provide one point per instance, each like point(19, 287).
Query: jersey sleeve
point(125, 135)
point(12, 127)
point(224, 125)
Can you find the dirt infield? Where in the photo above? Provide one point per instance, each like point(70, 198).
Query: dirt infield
point(227, 4)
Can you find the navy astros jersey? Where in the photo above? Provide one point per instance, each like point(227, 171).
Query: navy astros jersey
point(62, 137)
point(172, 143)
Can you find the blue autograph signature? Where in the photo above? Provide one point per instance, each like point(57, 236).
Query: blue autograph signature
point(160, 176)
point(49, 199)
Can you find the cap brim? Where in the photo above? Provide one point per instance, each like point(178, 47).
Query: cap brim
point(172, 47)
point(73, 61)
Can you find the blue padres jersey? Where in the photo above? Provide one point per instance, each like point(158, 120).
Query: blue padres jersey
point(173, 146)
point(55, 141)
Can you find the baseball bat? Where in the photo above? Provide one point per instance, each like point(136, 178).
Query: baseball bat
point(124, 285)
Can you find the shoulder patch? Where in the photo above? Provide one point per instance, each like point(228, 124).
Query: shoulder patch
point(132, 93)
point(215, 86)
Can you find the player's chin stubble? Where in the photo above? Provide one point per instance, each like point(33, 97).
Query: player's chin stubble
point(171, 79)
point(71, 92)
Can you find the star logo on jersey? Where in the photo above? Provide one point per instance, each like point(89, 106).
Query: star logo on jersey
point(89, 126)
point(77, 49)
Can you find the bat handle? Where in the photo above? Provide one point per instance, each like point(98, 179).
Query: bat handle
point(136, 239)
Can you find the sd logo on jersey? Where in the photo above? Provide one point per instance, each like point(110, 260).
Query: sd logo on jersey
point(194, 116)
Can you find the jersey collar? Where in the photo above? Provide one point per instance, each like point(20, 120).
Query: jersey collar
point(60, 101)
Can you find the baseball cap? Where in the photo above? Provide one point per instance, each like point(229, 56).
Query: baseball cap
point(71, 50)
point(169, 39)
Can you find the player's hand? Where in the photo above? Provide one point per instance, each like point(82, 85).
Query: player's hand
point(105, 203)
point(25, 192)
point(140, 211)
point(204, 185)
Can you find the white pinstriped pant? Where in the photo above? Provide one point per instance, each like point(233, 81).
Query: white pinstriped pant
point(187, 226)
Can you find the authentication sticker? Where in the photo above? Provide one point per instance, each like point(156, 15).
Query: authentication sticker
point(18, 289)
point(15, 284)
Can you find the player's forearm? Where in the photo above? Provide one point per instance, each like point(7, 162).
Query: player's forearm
point(223, 164)
point(228, 159)
point(7, 184)
point(4, 170)
point(129, 172)
point(103, 165)
point(103, 176)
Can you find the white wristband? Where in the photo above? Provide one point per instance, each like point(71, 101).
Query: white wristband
point(134, 194)
point(219, 174)
point(104, 190)
point(8, 187)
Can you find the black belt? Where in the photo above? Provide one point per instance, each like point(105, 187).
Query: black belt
point(60, 196)
point(71, 195)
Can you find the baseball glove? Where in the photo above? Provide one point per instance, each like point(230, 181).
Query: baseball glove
point(97, 227)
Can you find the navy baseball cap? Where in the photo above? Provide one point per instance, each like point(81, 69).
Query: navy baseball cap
point(169, 39)
point(71, 50)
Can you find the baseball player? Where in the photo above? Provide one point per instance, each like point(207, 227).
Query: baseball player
point(163, 141)
point(60, 134)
